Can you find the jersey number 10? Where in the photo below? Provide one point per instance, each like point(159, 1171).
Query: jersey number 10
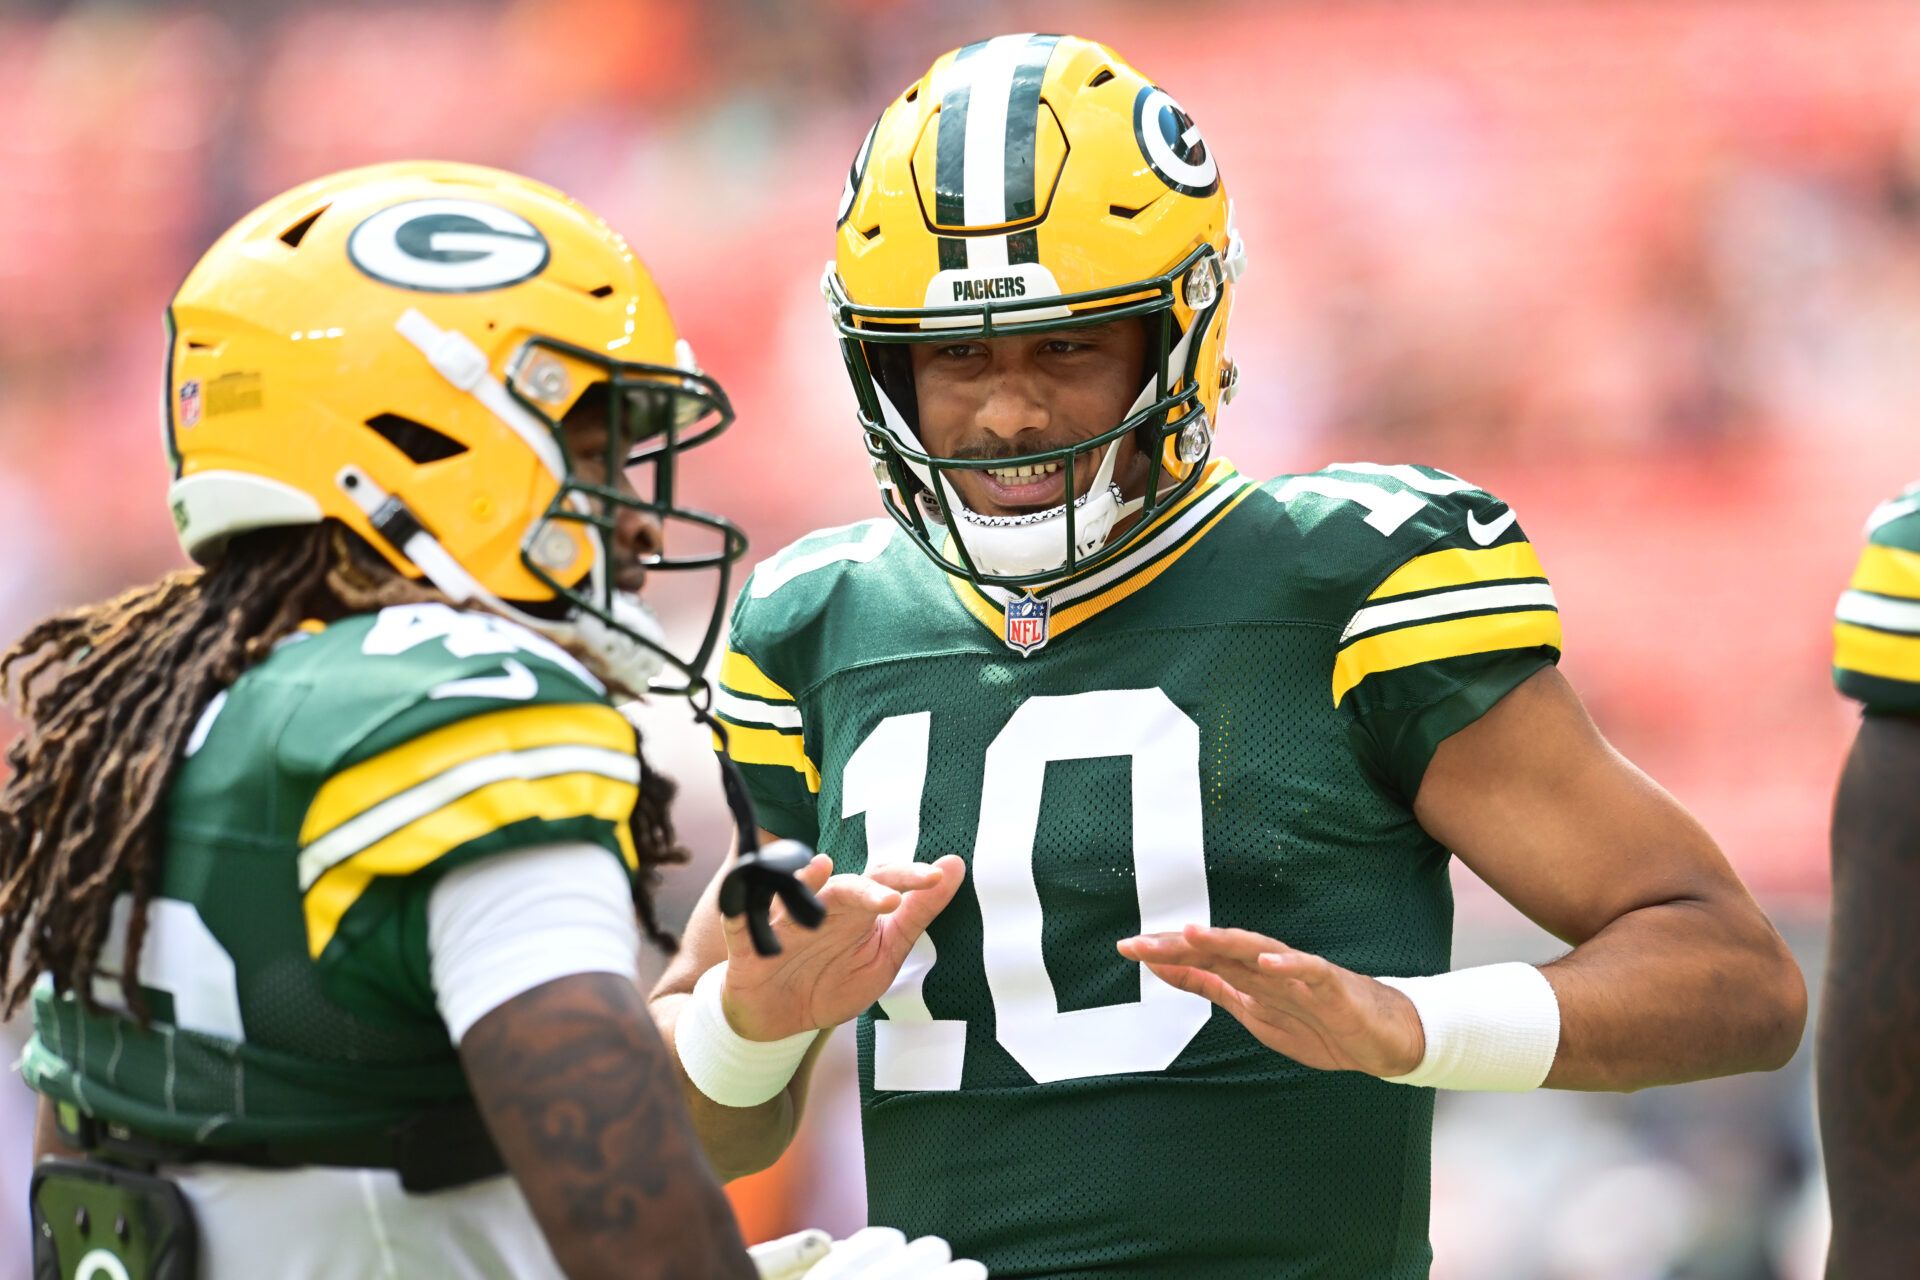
point(885, 779)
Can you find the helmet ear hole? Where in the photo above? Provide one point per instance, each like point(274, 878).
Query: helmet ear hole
point(294, 234)
point(420, 442)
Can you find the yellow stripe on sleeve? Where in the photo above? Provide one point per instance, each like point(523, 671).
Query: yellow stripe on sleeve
point(769, 746)
point(354, 791)
point(1457, 567)
point(1876, 653)
point(1888, 571)
point(1451, 638)
point(482, 812)
point(739, 674)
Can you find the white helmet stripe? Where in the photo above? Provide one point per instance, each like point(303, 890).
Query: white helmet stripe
point(985, 177)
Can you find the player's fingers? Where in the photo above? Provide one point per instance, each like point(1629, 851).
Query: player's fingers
point(1233, 944)
point(849, 894)
point(1169, 947)
point(918, 908)
point(1313, 970)
point(1210, 986)
point(1172, 948)
point(817, 872)
point(905, 876)
point(963, 1269)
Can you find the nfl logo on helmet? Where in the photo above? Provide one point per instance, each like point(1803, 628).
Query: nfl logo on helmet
point(1027, 624)
point(190, 402)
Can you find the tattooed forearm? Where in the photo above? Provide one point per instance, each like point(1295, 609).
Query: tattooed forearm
point(1869, 1050)
point(579, 1093)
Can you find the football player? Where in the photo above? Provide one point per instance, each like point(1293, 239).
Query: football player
point(335, 854)
point(1869, 1050)
point(1100, 738)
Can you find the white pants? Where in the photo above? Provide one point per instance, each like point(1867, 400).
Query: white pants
point(357, 1224)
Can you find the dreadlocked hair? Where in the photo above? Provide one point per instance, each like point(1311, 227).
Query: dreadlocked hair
point(111, 692)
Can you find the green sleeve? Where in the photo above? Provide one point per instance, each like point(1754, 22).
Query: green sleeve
point(765, 732)
point(480, 741)
point(1443, 634)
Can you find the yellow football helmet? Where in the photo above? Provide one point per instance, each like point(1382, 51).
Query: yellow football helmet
point(1034, 180)
point(395, 347)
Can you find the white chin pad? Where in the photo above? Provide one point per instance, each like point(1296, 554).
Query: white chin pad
point(626, 660)
point(1014, 546)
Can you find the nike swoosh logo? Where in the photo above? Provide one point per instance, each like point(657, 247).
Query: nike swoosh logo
point(516, 685)
point(1484, 534)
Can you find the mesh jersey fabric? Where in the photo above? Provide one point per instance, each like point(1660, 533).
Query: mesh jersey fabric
point(286, 964)
point(1229, 728)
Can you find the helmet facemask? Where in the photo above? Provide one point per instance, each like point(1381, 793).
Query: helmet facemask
point(652, 414)
point(1168, 419)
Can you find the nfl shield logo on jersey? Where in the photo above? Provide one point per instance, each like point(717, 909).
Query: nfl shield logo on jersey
point(1027, 624)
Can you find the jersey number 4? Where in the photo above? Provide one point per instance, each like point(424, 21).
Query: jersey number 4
point(885, 779)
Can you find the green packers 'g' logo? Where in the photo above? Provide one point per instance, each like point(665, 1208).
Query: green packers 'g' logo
point(1172, 144)
point(448, 246)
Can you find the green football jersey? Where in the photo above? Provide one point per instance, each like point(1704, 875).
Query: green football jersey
point(285, 960)
point(1876, 630)
point(1228, 726)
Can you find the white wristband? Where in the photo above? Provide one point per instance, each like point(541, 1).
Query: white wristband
point(723, 1064)
point(1494, 1028)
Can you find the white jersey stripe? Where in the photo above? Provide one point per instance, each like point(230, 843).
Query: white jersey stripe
point(1529, 595)
point(1412, 477)
point(389, 816)
point(1877, 611)
point(747, 711)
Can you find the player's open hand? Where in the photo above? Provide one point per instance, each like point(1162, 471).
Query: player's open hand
point(1298, 1004)
point(824, 976)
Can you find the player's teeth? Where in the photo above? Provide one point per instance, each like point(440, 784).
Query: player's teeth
point(1023, 473)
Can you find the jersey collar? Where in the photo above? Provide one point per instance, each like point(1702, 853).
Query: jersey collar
point(1073, 600)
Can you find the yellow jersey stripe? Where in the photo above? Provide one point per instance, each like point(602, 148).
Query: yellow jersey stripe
point(738, 673)
point(1457, 567)
point(769, 746)
point(993, 617)
point(1888, 571)
point(1430, 642)
point(480, 813)
point(1876, 653)
point(356, 790)
point(1075, 614)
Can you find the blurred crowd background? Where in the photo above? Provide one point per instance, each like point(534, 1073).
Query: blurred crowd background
point(1650, 269)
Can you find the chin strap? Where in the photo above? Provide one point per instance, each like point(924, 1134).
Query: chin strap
point(759, 875)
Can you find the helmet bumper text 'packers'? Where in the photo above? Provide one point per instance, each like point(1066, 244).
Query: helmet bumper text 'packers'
point(1035, 182)
point(395, 348)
